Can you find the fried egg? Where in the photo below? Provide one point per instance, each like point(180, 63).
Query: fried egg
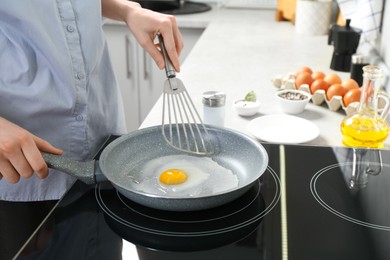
point(184, 176)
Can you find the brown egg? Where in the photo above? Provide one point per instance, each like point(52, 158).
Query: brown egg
point(303, 78)
point(332, 78)
point(335, 90)
point(350, 84)
point(351, 96)
point(318, 75)
point(304, 69)
point(319, 84)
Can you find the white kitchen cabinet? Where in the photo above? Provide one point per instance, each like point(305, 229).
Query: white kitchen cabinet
point(123, 51)
point(139, 78)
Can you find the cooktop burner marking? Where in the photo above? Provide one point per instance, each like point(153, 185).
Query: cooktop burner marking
point(245, 223)
point(313, 185)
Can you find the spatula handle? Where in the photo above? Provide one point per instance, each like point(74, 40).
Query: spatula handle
point(169, 69)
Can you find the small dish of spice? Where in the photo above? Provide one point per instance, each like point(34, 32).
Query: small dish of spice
point(293, 101)
point(247, 106)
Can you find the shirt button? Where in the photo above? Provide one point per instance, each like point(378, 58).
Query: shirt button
point(70, 28)
point(80, 75)
point(79, 118)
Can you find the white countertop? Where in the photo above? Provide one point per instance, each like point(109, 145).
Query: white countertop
point(242, 50)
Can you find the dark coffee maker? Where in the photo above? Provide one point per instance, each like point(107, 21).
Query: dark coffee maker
point(345, 40)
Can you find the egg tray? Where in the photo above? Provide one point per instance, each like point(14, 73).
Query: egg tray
point(318, 97)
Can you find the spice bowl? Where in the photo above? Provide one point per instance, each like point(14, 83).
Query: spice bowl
point(293, 101)
point(246, 108)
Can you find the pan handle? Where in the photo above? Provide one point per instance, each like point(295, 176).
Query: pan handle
point(84, 171)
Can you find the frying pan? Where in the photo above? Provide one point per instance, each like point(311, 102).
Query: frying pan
point(118, 162)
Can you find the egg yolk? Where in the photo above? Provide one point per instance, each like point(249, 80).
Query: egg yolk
point(173, 176)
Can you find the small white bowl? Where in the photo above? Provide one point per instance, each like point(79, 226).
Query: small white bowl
point(246, 108)
point(293, 101)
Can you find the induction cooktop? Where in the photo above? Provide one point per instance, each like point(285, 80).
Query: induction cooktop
point(311, 203)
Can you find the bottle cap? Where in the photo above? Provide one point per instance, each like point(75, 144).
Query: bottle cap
point(358, 59)
point(214, 98)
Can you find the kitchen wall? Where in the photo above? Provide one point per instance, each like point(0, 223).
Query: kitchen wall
point(384, 49)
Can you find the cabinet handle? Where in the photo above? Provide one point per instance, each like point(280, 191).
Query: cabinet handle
point(128, 58)
point(146, 67)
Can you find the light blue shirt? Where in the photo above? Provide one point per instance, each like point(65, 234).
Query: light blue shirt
point(56, 80)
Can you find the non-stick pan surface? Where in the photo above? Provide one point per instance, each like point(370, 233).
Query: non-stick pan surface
point(233, 150)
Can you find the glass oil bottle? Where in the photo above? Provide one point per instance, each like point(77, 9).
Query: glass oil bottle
point(368, 128)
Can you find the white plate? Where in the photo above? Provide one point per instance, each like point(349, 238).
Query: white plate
point(283, 129)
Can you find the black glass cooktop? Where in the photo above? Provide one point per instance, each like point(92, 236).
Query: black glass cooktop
point(311, 203)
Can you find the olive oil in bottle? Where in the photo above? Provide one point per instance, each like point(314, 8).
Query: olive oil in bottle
point(361, 131)
point(368, 128)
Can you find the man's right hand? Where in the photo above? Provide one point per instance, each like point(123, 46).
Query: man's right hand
point(20, 153)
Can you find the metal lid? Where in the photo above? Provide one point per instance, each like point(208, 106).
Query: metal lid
point(214, 98)
point(359, 59)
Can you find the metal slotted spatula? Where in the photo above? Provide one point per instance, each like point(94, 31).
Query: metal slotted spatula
point(182, 127)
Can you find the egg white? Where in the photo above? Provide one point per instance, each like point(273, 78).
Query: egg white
point(204, 177)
